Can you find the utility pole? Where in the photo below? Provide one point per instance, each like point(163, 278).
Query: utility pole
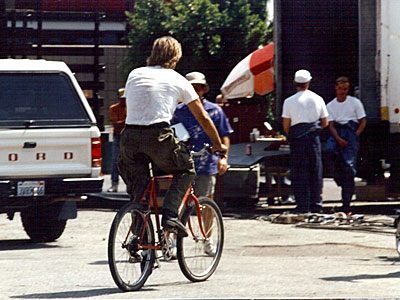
point(96, 73)
point(39, 9)
point(3, 30)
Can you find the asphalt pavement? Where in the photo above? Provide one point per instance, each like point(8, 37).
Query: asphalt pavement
point(321, 256)
point(331, 196)
point(261, 260)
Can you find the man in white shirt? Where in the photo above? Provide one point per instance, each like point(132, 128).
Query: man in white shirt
point(303, 116)
point(152, 94)
point(347, 120)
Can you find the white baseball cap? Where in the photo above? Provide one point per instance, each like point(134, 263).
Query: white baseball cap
point(196, 77)
point(302, 76)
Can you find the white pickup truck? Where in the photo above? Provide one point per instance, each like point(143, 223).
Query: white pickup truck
point(50, 148)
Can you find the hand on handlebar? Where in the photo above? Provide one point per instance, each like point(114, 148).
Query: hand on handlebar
point(218, 151)
point(222, 166)
point(212, 150)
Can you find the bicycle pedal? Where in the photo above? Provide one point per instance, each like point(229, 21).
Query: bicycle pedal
point(172, 230)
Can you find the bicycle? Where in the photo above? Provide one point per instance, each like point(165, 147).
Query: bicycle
point(133, 250)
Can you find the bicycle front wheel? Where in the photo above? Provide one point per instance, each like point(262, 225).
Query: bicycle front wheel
point(200, 252)
point(130, 264)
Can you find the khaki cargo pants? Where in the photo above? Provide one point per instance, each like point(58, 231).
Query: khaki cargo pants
point(142, 144)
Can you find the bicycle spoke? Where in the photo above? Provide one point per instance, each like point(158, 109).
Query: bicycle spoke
point(198, 257)
point(129, 264)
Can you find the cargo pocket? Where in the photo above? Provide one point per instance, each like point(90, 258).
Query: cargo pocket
point(166, 137)
point(182, 157)
point(170, 154)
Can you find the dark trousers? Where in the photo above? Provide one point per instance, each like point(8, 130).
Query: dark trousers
point(306, 172)
point(346, 160)
point(345, 170)
point(344, 177)
point(115, 154)
point(139, 146)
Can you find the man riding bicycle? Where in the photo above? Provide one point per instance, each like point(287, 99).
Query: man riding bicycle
point(152, 94)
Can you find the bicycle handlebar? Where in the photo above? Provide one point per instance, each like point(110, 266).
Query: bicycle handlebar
point(206, 148)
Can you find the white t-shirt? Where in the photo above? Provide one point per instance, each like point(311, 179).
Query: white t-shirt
point(351, 109)
point(152, 94)
point(304, 107)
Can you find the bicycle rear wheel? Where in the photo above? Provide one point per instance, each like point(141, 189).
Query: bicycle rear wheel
point(130, 265)
point(197, 259)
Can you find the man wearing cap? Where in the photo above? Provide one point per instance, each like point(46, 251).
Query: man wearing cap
point(347, 120)
point(117, 115)
point(304, 115)
point(152, 94)
point(207, 165)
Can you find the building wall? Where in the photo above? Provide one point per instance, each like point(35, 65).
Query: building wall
point(113, 76)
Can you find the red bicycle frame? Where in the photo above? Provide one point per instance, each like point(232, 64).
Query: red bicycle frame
point(151, 190)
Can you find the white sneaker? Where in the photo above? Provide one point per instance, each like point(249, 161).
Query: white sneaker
point(113, 188)
point(209, 247)
point(290, 200)
point(174, 250)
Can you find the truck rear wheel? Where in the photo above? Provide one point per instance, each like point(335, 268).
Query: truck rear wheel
point(42, 224)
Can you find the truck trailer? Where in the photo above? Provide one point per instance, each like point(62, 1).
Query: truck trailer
point(359, 39)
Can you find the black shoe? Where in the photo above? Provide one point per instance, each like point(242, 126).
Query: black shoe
point(173, 224)
point(346, 209)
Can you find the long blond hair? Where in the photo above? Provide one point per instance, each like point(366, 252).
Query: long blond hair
point(166, 52)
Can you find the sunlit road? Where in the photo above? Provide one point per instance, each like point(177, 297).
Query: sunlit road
point(260, 260)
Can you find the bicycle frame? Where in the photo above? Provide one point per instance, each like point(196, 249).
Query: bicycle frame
point(151, 191)
point(135, 236)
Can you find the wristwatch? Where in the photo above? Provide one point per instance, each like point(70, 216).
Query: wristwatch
point(223, 156)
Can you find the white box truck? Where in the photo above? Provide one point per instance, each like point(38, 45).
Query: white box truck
point(359, 39)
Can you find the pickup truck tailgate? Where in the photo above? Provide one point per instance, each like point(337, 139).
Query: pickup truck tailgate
point(45, 152)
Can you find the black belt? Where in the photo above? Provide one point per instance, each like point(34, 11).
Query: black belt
point(152, 126)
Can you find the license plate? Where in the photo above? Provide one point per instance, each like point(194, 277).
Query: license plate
point(30, 188)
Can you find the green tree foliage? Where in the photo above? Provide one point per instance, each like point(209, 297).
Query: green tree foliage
point(146, 23)
point(215, 34)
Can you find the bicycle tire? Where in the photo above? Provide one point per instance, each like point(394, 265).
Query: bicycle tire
point(194, 263)
point(129, 266)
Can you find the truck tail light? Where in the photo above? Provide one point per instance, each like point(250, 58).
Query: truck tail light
point(96, 152)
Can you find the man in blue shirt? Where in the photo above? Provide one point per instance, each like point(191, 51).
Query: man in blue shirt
point(207, 165)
